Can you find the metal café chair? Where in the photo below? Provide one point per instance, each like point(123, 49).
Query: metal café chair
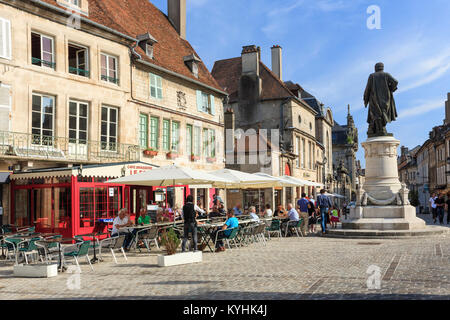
point(81, 251)
point(113, 243)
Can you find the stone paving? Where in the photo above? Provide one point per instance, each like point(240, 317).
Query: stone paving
point(289, 268)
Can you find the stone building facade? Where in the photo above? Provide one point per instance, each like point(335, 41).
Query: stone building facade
point(260, 99)
point(104, 81)
point(427, 167)
point(346, 169)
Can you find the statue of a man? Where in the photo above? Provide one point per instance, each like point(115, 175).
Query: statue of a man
point(379, 95)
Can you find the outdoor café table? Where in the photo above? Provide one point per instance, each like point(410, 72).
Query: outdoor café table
point(60, 242)
point(205, 231)
point(94, 237)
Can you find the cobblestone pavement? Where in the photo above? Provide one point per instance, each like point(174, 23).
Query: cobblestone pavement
point(289, 268)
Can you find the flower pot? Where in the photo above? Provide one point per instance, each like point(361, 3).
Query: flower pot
point(210, 160)
point(195, 158)
point(179, 258)
point(171, 155)
point(151, 153)
point(36, 270)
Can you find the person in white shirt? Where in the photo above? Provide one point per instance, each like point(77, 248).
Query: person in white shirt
point(268, 212)
point(253, 215)
point(122, 220)
point(433, 206)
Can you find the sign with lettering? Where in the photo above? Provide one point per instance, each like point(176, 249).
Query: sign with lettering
point(135, 169)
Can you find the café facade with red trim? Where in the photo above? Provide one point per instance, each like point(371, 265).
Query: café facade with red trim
point(70, 201)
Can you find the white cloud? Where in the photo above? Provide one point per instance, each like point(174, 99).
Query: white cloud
point(421, 109)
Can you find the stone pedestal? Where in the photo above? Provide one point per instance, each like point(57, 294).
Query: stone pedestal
point(382, 203)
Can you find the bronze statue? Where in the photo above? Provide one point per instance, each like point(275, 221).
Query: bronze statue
point(379, 95)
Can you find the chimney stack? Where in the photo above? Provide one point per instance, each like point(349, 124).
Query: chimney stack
point(277, 63)
point(250, 60)
point(177, 15)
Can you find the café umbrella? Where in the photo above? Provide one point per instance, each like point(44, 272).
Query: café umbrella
point(171, 175)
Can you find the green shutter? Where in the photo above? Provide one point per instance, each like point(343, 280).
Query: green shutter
point(199, 100)
point(213, 109)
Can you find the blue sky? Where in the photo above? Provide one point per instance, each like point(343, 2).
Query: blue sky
point(328, 49)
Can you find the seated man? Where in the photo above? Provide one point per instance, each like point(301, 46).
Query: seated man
point(144, 218)
point(232, 222)
point(237, 210)
point(253, 215)
point(215, 212)
point(122, 220)
point(292, 214)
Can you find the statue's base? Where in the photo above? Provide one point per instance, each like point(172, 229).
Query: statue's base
point(384, 218)
point(374, 135)
point(428, 231)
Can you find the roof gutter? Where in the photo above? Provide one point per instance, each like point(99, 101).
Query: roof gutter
point(181, 76)
point(95, 24)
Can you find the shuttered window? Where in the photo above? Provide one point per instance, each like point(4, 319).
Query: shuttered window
point(5, 38)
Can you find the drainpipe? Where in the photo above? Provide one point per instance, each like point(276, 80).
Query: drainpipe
point(282, 123)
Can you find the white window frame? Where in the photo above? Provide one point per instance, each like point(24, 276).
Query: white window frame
point(7, 42)
point(108, 69)
point(108, 133)
point(86, 59)
point(41, 129)
point(8, 106)
point(156, 84)
point(175, 136)
point(78, 116)
point(53, 66)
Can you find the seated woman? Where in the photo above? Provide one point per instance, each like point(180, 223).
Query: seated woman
point(280, 212)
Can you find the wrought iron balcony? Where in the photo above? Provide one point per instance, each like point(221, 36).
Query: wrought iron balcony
point(32, 146)
point(40, 62)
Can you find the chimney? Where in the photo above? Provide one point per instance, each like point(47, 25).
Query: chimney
point(447, 110)
point(250, 60)
point(177, 15)
point(277, 62)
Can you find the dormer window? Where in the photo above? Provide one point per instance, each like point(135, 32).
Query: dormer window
point(146, 42)
point(192, 62)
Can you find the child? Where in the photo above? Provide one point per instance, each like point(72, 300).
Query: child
point(334, 217)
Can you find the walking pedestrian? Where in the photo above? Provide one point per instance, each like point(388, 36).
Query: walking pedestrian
point(440, 204)
point(190, 222)
point(324, 204)
point(447, 204)
point(432, 202)
point(312, 216)
point(302, 205)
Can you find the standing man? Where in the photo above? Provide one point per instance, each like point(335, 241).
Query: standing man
point(433, 206)
point(324, 204)
point(302, 205)
point(190, 223)
point(440, 203)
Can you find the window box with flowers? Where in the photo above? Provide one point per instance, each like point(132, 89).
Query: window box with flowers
point(171, 155)
point(194, 158)
point(210, 159)
point(151, 152)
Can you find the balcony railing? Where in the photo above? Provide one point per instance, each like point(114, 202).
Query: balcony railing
point(32, 146)
point(79, 72)
point(39, 62)
point(110, 79)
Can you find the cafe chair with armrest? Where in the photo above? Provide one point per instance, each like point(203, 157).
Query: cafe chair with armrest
point(82, 251)
point(275, 227)
point(28, 247)
point(113, 243)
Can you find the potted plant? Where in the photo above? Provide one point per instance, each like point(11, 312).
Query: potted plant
point(210, 159)
point(194, 157)
point(171, 155)
point(171, 242)
point(150, 152)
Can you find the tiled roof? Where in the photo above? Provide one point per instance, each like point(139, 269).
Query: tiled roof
point(228, 72)
point(136, 17)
